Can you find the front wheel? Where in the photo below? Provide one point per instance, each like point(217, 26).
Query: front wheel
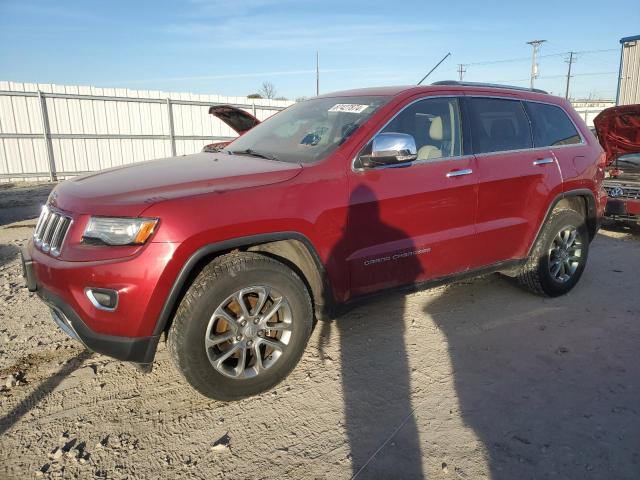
point(559, 255)
point(241, 327)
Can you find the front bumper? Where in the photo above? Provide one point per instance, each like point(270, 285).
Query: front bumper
point(623, 209)
point(140, 349)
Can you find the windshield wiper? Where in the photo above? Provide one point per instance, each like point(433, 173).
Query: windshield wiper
point(253, 153)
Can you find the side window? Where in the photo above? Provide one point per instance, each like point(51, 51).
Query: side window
point(498, 125)
point(551, 126)
point(435, 125)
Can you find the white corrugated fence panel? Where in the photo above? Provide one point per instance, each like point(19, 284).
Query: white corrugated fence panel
point(89, 133)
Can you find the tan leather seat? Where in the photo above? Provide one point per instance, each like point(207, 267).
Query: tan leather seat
point(428, 152)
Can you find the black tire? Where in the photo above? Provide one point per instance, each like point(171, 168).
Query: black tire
point(536, 275)
point(216, 282)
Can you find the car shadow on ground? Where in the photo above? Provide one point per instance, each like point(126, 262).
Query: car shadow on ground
point(541, 386)
point(8, 253)
point(620, 227)
point(379, 418)
point(22, 201)
point(42, 391)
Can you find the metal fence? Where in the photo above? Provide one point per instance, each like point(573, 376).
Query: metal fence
point(54, 131)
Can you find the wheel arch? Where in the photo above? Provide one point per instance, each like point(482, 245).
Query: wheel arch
point(291, 248)
point(581, 200)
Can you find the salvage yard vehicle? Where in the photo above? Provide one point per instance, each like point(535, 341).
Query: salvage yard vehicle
point(618, 129)
point(232, 255)
point(236, 118)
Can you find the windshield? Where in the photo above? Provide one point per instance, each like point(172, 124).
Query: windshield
point(307, 131)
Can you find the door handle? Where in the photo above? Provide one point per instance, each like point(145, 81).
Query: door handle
point(543, 161)
point(459, 173)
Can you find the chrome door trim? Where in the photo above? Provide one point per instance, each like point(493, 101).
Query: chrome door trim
point(459, 173)
point(543, 161)
point(477, 155)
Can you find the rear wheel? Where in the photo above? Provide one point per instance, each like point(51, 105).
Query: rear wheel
point(559, 255)
point(241, 327)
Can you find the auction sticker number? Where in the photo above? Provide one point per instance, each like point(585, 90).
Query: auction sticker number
point(348, 108)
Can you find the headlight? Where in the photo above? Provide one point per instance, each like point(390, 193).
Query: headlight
point(119, 231)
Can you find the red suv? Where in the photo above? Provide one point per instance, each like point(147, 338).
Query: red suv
point(233, 254)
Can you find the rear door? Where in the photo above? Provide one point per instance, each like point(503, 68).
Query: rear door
point(515, 180)
point(415, 221)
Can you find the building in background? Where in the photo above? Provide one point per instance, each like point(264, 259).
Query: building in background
point(629, 80)
point(589, 108)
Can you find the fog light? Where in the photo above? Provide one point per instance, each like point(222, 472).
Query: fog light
point(102, 298)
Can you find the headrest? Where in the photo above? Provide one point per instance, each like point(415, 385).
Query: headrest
point(435, 129)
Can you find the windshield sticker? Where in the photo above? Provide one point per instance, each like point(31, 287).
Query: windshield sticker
point(349, 108)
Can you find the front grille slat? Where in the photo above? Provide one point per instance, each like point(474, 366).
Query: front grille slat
point(51, 231)
point(48, 233)
point(59, 234)
point(42, 224)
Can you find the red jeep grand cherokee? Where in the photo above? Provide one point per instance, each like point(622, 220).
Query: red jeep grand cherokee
point(233, 254)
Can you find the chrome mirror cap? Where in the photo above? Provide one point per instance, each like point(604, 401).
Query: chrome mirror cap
point(390, 148)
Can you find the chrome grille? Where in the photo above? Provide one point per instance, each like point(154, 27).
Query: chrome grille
point(623, 191)
point(51, 230)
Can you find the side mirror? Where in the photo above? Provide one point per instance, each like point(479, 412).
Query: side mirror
point(390, 149)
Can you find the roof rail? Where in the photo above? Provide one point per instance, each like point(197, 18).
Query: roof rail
point(492, 85)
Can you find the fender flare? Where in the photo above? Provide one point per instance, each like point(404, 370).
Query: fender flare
point(226, 245)
point(592, 216)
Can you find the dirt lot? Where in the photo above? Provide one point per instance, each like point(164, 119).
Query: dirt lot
point(475, 380)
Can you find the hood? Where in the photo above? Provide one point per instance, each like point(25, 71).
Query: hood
point(129, 190)
point(618, 130)
point(236, 118)
point(239, 120)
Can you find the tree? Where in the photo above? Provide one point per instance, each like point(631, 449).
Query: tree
point(268, 90)
point(254, 95)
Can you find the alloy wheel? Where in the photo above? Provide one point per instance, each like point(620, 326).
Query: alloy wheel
point(565, 254)
point(248, 332)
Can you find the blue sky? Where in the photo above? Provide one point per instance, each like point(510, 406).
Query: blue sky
point(230, 47)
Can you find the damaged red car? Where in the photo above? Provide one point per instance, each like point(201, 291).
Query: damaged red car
point(618, 130)
point(237, 119)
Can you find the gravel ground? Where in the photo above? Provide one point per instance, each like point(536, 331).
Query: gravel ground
point(474, 380)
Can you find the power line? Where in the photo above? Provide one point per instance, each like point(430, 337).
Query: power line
point(547, 77)
point(548, 55)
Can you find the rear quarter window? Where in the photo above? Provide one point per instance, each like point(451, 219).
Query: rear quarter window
point(498, 125)
point(551, 125)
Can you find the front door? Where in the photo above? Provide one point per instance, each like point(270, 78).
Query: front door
point(414, 222)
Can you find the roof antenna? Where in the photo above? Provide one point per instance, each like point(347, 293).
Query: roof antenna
point(437, 65)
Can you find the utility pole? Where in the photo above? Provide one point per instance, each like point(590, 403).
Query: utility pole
point(570, 62)
point(534, 66)
point(461, 70)
point(317, 73)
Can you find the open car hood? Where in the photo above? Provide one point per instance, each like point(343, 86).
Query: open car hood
point(235, 117)
point(618, 130)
